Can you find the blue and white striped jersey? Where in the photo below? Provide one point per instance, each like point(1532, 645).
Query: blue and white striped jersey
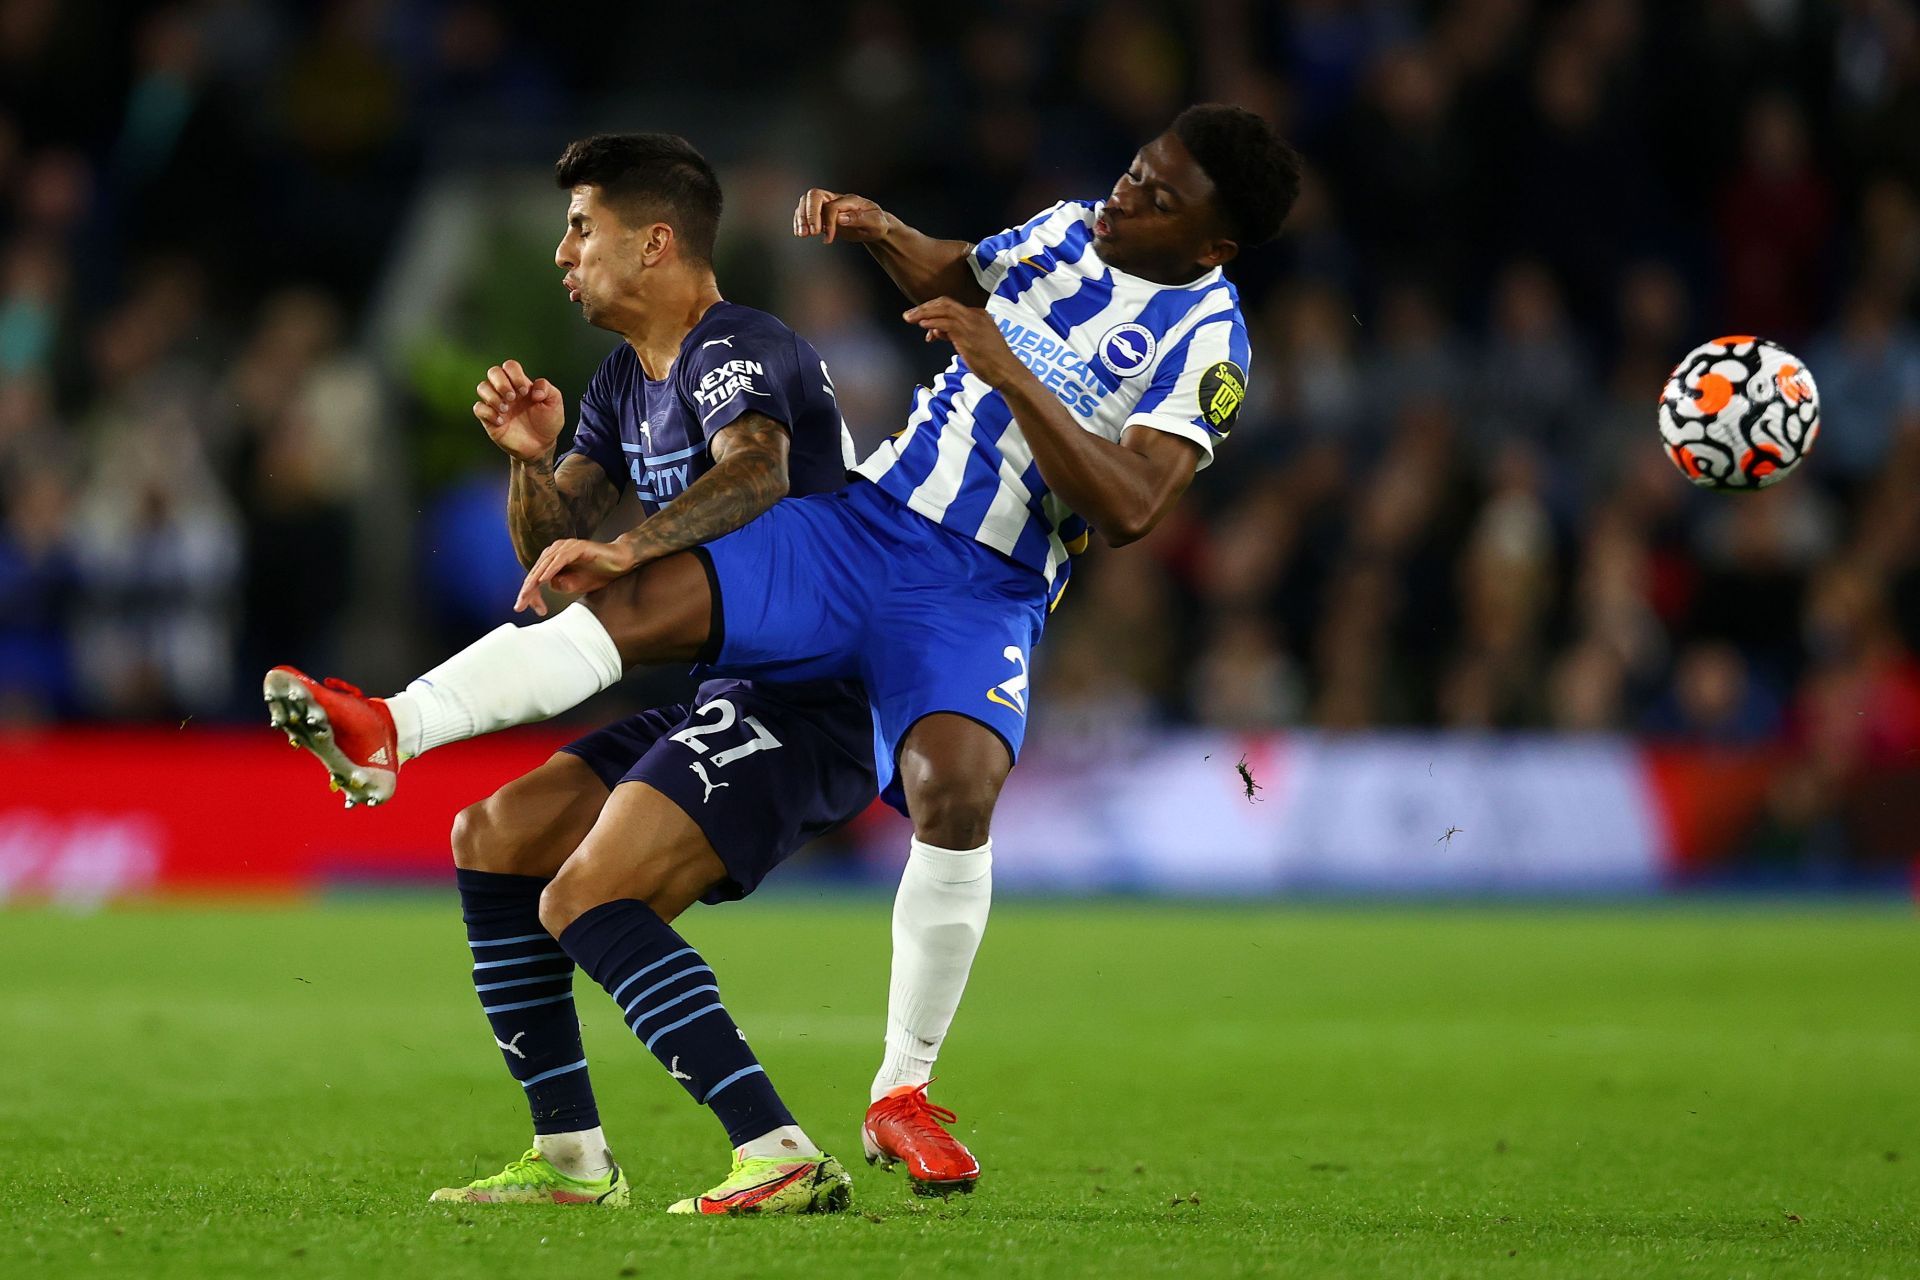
point(1119, 351)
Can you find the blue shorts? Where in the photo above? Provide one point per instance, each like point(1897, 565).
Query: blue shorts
point(760, 768)
point(853, 585)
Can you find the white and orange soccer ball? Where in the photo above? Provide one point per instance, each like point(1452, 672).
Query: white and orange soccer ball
point(1739, 413)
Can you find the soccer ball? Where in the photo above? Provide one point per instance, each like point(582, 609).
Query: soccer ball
point(1739, 413)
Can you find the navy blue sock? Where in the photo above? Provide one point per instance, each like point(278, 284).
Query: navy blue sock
point(670, 1000)
point(525, 983)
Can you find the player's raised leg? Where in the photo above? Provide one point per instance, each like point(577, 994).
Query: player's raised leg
point(506, 850)
point(643, 864)
point(513, 675)
point(951, 769)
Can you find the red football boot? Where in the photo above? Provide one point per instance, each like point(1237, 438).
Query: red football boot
point(905, 1127)
point(351, 733)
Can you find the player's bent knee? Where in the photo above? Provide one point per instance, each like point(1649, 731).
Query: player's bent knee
point(533, 824)
point(484, 839)
point(950, 809)
point(668, 877)
point(954, 828)
point(564, 900)
point(952, 812)
point(668, 880)
point(477, 845)
point(951, 771)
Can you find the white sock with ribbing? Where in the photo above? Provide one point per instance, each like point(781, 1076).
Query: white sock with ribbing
point(939, 916)
point(511, 675)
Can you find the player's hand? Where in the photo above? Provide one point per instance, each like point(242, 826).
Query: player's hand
point(522, 415)
point(574, 566)
point(832, 215)
point(973, 334)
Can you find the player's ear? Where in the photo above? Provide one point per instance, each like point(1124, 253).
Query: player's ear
point(1219, 252)
point(659, 238)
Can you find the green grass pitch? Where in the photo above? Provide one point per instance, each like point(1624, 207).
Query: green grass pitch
point(1625, 1091)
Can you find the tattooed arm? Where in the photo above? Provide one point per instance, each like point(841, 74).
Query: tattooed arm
point(546, 504)
point(524, 416)
point(749, 475)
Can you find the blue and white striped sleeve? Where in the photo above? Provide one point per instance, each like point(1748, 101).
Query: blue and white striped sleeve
point(993, 257)
point(1199, 384)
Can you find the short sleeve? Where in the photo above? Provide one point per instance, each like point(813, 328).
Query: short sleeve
point(1199, 385)
point(596, 433)
point(752, 366)
point(993, 257)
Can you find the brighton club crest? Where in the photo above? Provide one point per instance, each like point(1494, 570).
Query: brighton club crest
point(1127, 349)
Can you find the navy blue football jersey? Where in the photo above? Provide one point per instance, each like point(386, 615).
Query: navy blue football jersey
point(658, 435)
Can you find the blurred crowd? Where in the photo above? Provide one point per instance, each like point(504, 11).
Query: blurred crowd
point(1444, 504)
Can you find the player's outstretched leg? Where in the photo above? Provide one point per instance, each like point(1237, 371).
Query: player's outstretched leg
point(644, 863)
point(951, 769)
point(505, 851)
point(512, 675)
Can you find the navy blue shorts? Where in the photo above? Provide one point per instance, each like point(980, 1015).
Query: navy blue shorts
point(854, 585)
point(760, 767)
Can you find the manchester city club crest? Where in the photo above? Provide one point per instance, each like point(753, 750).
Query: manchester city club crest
point(1127, 349)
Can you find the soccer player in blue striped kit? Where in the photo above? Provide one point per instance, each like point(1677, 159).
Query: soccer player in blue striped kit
point(1100, 357)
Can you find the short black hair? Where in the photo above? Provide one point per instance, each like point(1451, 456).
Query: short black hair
point(1255, 174)
point(648, 176)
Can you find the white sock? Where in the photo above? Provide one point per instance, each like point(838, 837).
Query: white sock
point(580, 1154)
point(789, 1142)
point(511, 675)
point(939, 916)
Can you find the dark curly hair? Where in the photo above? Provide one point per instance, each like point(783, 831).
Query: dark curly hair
point(1255, 174)
point(649, 176)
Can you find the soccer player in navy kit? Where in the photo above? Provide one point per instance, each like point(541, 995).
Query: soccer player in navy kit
point(712, 412)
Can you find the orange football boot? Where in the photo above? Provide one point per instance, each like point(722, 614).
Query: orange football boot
point(351, 733)
point(903, 1127)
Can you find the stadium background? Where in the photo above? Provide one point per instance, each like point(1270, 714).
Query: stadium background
point(253, 258)
point(1466, 627)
